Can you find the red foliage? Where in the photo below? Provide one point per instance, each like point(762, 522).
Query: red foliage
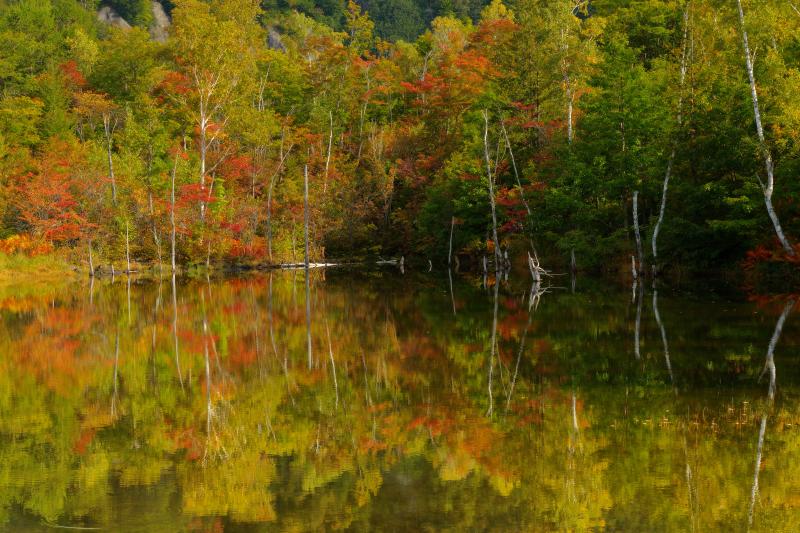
point(49, 198)
point(72, 74)
point(84, 439)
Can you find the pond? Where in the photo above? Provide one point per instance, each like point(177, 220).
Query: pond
point(426, 402)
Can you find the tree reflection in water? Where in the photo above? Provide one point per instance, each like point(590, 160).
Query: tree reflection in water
point(216, 417)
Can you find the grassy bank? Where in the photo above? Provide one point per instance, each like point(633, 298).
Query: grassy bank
point(46, 269)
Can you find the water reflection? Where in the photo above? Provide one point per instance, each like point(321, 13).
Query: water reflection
point(209, 403)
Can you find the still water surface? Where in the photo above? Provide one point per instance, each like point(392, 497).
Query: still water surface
point(425, 404)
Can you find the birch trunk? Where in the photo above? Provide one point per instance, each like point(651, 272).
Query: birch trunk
point(490, 179)
point(328, 157)
point(127, 250)
point(567, 84)
point(450, 250)
point(671, 160)
point(308, 283)
point(636, 229)
point(272, 181)
point(203, 151)
point(769, 366)
point(175, 328)
point(754, 491)
point(333, 361)
point(663, 336)
point(490, 409)
point(637, 326)
point(769, 186)
point(172, 214)
point(209, 410)
point(91, 261)
point(108, 130)
point(156, 237)
point(519, 184)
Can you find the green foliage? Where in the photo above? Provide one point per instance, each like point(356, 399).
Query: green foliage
point(383, 101)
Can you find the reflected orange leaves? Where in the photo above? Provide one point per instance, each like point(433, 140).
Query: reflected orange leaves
point(407, 382)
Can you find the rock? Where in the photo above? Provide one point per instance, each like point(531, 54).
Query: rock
point(159, 29)
point(274, 40)
point(107, 15)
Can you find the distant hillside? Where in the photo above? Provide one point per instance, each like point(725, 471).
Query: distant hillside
point(394, 19)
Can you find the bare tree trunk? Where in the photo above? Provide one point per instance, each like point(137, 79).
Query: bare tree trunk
point(116, 366)
point(769, 186)
point(490, 179)
point(208, 365)
point(638, 324)
point(663, 335)
point(452, 296)
point(333, 362)
point(172, 216)
point(305, 260)
point(671, 159)
point(769, 366)
point(272, 181)
point(156, 237)
point(519, 358)
point(450, 250)
point(108, 129)
point(636, 229)
point(519, 184)
point(175, 327)
point(754, 490)
point(567, 85)
point(127, 249)
point(203, 151)
point(490, 409)
point(328, 158)
point(91, 262)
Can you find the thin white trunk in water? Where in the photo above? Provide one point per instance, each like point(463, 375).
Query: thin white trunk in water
point(204, 120)
point(636, 230)
point(490, 179)
point(116, 367)
point(769, 186)
point(333, 361)
point(637, 326)
point(567, 84)
point(663, 336)
point(519, 184)
point(127, 249)
point(172, 214)
point(209, 410)
point(671, 160)
point(272, 181)
point(450, 251)
point(175, 328)
point(493, 349)
point(328, 158)
point(759, 449)
point(308, 283)
point(108, 130)
point(769, 366)
point(91, 261)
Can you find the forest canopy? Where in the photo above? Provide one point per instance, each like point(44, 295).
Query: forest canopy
point(421, 126)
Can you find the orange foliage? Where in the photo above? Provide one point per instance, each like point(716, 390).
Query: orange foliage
point(24, 244)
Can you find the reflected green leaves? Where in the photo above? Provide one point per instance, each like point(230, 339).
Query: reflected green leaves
point(127, 410)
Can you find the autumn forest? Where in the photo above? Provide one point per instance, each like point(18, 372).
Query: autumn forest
point(399, 265)
point(592, 130)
